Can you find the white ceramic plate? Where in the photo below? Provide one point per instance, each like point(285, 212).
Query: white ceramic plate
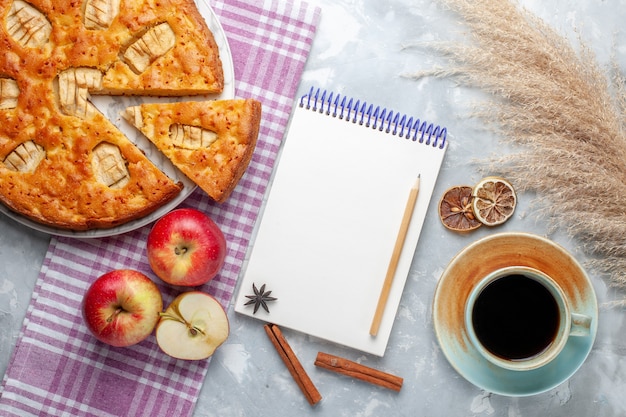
point(112, 106)
point(487, 255)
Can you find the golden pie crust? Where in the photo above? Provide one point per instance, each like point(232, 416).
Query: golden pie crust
point(63, 163)
point(211, 142)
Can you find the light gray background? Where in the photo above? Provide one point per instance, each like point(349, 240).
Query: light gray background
point(359, 51)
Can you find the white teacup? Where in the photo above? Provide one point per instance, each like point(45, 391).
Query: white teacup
point(519, 318)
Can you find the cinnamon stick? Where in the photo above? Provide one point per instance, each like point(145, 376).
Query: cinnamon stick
point(355, 370)
point(293, 364)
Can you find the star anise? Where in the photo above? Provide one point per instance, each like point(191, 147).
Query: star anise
point(260, 298)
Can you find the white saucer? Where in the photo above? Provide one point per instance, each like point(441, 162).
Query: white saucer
point(477, 260)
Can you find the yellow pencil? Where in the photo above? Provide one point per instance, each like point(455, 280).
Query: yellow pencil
point(395, 257)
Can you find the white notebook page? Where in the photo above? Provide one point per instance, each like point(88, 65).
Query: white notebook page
point(329, 228)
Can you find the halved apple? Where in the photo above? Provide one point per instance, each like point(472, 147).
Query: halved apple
point(192, 326)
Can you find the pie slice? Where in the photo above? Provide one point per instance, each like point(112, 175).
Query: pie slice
point(211, 142)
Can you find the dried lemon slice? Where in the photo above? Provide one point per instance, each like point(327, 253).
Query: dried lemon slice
point(455, 209)
point(493, 201)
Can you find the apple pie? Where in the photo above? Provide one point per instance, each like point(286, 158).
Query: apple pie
point(62, 162)
point(211, 142)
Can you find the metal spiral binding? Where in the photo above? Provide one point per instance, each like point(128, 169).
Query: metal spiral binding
point(348, 109)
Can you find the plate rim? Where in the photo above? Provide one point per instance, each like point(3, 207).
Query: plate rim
point(212, 21)
point(572, 347)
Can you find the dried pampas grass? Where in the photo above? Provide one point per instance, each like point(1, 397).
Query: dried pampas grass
point(567, 114)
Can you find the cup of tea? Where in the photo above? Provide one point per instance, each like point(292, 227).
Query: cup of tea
point(519, 318)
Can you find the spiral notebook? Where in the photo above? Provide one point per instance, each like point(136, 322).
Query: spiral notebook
point(332, 216)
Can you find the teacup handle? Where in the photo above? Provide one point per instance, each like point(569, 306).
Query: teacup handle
point(581, 325)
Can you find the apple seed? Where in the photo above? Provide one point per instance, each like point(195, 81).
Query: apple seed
point(193, 330)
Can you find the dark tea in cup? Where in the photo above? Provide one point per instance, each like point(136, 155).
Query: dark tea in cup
point(515, 317)
point(518, 318)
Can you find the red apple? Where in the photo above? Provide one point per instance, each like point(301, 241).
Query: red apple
point(185, 247)
point(122, 307)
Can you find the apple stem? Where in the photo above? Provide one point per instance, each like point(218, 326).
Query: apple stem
point(171, 317)
point(180, 250)
point(115, 314)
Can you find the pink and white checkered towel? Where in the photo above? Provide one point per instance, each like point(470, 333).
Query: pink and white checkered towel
point(58, 368)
